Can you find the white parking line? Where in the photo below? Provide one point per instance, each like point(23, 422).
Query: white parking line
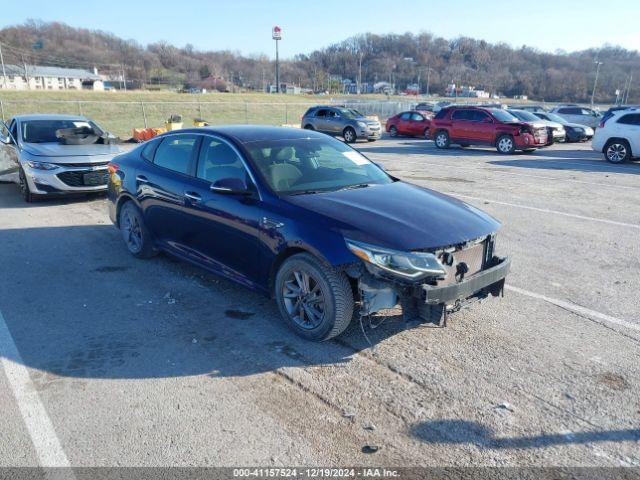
point(38, 423)
point(546, 210)
point(587, 312)
point(503, 171)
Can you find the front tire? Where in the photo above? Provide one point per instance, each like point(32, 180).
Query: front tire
point(135, 233)
point(442, 139)
point(617, 151)
point(315, 299)
point(25, 191)
point(349, 135)
point(393, 131)
point(425, 134)
point(505, 144)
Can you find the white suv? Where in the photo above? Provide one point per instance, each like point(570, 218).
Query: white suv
point(618, 136)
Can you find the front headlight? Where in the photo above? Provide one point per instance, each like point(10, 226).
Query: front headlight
point(41, 165)
point(409, 265)
point(362, 124)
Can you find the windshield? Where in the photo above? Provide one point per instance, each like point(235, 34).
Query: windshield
point(525, 116)
point(554, 118)
point(503, 116)
point(44, 131)
point(313, 165)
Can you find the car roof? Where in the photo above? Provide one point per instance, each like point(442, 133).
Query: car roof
point(255, 133)
point(49, 116)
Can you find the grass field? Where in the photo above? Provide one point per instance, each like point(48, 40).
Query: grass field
point(120, 112)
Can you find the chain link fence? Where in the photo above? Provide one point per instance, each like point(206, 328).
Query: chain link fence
point(122, 117)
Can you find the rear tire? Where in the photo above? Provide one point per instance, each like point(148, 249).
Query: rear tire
point(25, 191)
point(425, 134)
point(617, 151)
point(309, 127)
point(315, 300)
point(442, 139)
point(135, 233)
point(349, 135)
point(505, 144)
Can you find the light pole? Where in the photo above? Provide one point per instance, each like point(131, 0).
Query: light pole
point(276, 34)
point(595, 82)
point(428, 78)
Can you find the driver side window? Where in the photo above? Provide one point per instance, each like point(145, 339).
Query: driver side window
point(217, 160)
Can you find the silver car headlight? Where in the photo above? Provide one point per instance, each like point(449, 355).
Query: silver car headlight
point(361, 124)
point(409, 265)
point(41, 165)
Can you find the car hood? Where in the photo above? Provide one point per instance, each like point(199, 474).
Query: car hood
point(574, 125)
point(551, 123)
point(399, 215)
point(60, 151)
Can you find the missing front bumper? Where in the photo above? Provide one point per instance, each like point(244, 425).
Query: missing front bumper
point(488, 281)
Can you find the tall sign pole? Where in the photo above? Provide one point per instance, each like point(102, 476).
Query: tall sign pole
point(276, 34)
point(4, 72)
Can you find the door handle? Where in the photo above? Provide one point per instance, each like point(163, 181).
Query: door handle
point(194, 197)
point(142, 179)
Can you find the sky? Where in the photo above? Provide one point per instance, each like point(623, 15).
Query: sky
point(245, 25)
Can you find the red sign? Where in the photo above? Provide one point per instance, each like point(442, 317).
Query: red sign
point(276, 33)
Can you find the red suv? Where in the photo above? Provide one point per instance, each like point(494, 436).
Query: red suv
point(412, 123)
point(485, 126)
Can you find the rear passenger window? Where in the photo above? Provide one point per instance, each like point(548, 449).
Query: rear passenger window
point(174, 153)
point(461, 115)
point(416, 117)
point(321, 113)
point(441, 114)
point(218, 160)
point(149, 149)
point(630, 119)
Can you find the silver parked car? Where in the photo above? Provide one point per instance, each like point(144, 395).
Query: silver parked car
point(581, 115)
point(51, 155)
point(343, 122)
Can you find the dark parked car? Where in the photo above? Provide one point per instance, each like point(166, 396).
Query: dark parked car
point(412, 124)
point(306, 219)
point(575, 132)
point(343, 122)
point(485, 126)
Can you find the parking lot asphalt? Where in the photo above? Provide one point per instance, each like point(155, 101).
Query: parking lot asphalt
point(107, 360)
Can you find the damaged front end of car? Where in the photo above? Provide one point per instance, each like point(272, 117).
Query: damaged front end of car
point(428, 285)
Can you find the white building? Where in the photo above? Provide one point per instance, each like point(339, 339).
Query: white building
point(38, 77)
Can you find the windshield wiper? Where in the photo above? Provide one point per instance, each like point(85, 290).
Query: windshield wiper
point(306, 192)
point(357, 185)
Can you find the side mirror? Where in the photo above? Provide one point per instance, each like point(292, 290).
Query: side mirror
point(6, 139)
point(231, 185)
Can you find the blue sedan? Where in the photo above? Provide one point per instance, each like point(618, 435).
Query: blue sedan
point(306, 219)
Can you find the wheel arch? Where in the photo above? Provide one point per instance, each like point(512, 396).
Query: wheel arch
point(616, 139)
point(122, 199)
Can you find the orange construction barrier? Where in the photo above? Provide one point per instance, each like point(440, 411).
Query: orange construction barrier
point(144, 134)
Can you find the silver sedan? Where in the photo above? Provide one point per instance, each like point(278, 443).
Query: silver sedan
point(51, 155)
